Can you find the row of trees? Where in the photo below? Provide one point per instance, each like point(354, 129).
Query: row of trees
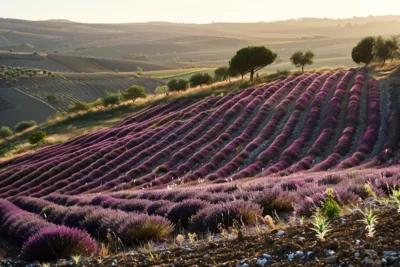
point(34, 139)
point(198, 79)
point(20, 127)
point(111, 99)
point(251, 59)
point(247, 60)
point(376, 49)
point(131, 94)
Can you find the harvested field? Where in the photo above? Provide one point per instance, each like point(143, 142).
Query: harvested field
point(88, 64)
point(22, 108)
point(69, 88)
point(44, 64)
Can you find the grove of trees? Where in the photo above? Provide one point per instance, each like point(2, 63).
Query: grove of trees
point(376, 49)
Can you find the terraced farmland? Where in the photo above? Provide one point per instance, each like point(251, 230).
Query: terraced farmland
point(91, 64)
point(69, 88)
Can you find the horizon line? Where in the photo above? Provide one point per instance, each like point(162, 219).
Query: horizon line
point(61, 20)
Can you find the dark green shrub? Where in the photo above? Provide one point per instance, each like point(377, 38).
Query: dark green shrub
point(330, 208)
point(178, 85)
point(23, 125)
point(111, 99)
point(51, 98)
point(37, 137)
point(78, 106)
point(5, 132)
point(200, 79)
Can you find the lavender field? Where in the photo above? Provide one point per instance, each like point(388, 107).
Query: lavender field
point(186, 165)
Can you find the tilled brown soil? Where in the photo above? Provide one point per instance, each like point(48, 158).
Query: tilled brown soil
point(340, 247)
point(345, 245)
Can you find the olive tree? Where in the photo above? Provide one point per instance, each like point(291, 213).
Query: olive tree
point(222, 73)
point(177, 85)
point(384, 49)
point(363, 51)
point(200, 79)
point(134, 92)
point(300, 59)
point(161, 90)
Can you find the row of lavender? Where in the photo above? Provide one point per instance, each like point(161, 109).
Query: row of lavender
point(137, 216)
point(281, 192)
point(40, 239)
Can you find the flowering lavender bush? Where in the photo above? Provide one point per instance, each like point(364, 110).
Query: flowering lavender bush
point(58, 242)
point(181, 213)
point(227, 214)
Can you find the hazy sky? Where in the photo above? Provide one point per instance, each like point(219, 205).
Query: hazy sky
point(197, 11)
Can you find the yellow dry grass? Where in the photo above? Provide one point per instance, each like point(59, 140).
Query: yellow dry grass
point(26, 147)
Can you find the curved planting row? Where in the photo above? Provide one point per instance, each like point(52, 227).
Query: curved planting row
point(371, 134)
point(135, 226)
point(273, 149)
point(270, 98)
point(328, 125)
point(257, 131)
point(351, 123)
point(246, 135)
point(202, 209)
point(40, 239)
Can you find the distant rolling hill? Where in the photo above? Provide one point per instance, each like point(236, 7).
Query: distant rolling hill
point(195, 45)
point(65, 63)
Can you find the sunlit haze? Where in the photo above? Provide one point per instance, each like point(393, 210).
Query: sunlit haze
point(189, 11)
